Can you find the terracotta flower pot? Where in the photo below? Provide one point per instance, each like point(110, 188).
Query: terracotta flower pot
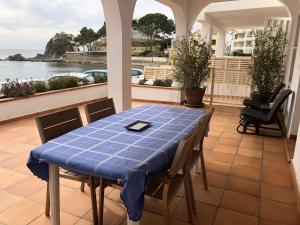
point(194, 97)
point(261, 98)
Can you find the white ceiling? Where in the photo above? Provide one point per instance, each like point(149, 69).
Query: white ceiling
point(247, 18)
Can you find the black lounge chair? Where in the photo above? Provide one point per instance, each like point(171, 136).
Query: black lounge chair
point(250, 103)
point(257, 118)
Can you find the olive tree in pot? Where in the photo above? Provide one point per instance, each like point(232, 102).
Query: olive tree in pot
point(268, 67)
point(191, 67)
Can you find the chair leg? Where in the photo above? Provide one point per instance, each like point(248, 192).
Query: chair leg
point(188, 199)
point(203, 170)
point(47, 207)
point(165, 203)
point(82, 186)
point(192, 195)
point(94, 200)
point(101, 201)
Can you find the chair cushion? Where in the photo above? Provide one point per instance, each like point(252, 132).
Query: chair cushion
point(255, 114)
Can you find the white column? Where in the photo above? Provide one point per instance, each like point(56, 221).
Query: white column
point(292, 78)
point(221, 41)
point(206, 31)
point(118, 16)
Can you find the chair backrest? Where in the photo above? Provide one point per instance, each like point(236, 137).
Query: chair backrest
point(99, 110)
point(275, 92)
point(184, 150)
point(279, 102)
point(56, 124)
point(199, 137)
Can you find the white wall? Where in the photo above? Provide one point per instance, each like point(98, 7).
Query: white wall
point(160, 94)
point(296, 161)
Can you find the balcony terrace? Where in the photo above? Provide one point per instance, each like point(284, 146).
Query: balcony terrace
point(249, 178)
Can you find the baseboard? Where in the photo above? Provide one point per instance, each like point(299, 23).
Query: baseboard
point(296, 187)
point(293, 137)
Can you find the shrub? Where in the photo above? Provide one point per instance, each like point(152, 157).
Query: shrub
point(40, 86)
point(268, 58)
point(100, 79)
point(16, 88)
point(143, 81)
point(163, 83)
point(145, 53)
point(191, 61)
point(63, 82)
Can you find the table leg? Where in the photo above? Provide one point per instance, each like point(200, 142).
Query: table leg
point(54, 194)
point(130, 222)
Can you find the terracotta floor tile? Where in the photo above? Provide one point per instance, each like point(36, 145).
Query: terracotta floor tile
point(40, 195)
point(7, 200)
point(26, 187)
point(206, 213)
point(218, 167)
point(277, 179)
point(279, 212)
point(228, 217)
point(250, 152)
point(114, 213)
point(211, 139)
point(220, 156)
point(234, 136)
point(252, 138)
point(243, 185)
point(229, 141)
point(154, 205)
point(274, 148)
point(276, 193)
point(66, 219)
point(4, 156)
point(213, 179)
point(9, 177)
point(276, 167)
point(85, 222)
point(269, 222)
point(208, 146)
point(240, 202)
point(246, 172)
point(252, 145)
point(274, 141)
point(276, 157)
point(242, 160)
point(68, 203)
point(212, 196)
point(225, 148)
point(21, 213)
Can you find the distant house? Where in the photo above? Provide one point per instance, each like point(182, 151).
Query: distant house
point(139, 43)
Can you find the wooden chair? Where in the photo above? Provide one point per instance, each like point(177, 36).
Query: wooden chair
point(164, 185)
point(197, 154)
point(54, 125)
point(99, 110)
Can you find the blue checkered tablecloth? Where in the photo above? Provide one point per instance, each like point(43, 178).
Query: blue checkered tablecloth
point(106, 149)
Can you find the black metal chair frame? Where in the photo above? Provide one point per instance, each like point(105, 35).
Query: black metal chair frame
point(251, 118)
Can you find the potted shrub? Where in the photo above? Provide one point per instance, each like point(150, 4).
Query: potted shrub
point(268, 67)
point(191, 67)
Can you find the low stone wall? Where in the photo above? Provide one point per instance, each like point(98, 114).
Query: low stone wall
point(12, 108)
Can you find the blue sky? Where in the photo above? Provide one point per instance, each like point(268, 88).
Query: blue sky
point(28, 24)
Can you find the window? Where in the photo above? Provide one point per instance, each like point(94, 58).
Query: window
point(213, 42)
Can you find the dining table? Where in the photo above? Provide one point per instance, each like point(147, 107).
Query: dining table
point(107, 149)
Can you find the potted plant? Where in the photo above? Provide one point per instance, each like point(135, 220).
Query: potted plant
point(191, 67)
point(268, 67)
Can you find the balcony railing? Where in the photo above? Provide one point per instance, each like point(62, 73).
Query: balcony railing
point(229, 83)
